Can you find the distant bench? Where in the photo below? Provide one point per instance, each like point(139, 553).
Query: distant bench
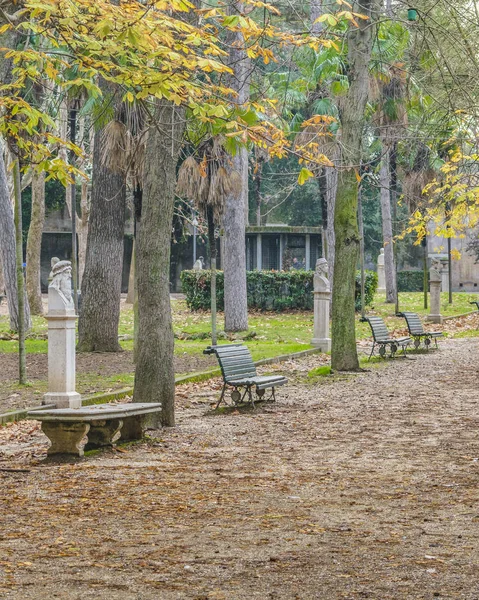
point(417, 331)
point(383, 339)
point(239, 371)
point(103, 425)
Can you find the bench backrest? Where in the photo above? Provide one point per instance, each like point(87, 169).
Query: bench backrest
point(379, 329)
point(413, 323)
point(235, 361)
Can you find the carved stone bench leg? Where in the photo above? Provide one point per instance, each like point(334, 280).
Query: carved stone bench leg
point(103, 433)
point(132, 428)
point(65, 437)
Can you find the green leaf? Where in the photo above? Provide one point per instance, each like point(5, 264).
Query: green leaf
point(304, 175)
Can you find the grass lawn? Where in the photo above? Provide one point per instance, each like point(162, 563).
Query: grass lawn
point(276, 333)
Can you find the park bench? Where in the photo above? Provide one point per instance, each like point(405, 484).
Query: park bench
point(476, 302)
point(239, 371)
point(103, 424)
point(382, 338)
point(417, 331)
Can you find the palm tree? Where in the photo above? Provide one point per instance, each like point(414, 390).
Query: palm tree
point(208, 183)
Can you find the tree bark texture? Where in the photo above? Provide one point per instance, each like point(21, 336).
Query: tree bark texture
point(236, 205)
point(34, 244)
point(344, 355)
point(101, 283)
point(2, 278)
point(82, 230)
point(130, 298)
point(23, 320)
point(8, 251)
point(331, 175)
point(389, 267)
point(154, 374)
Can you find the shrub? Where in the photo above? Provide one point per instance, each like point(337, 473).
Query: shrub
point(370, 287)
point(267, 290)
point(410, 281)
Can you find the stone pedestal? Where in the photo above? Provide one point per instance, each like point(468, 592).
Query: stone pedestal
point(61, 319)
point(445, 277)
point(322, 299)
point(435, 281)
point(381, 274)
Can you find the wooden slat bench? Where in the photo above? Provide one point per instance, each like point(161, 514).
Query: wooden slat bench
point(417, 331)
point(383, 339)
point(239, 371)
point(103, 424)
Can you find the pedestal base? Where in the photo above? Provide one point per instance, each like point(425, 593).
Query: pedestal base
point(381, 290)
point(434, 318)
point(324, 344)
point(63, 399)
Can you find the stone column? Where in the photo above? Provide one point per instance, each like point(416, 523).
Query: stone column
point(444, 276)
point(381, 275)
point(322, 298)
point(61, 319)
point(435, 281)
point(307, 252)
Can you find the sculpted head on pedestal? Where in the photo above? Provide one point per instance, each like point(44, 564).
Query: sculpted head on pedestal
point(435, 271)
point(62, 281)
point(321, 282)
point(381, 257)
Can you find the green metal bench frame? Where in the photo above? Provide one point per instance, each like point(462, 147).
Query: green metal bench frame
point(417, 332)
point(381, 338)
point(239, 371)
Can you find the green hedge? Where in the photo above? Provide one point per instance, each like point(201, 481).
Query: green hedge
point(411, 281)
point(267, 290)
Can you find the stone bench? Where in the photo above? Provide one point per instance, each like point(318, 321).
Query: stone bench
point(102, 424)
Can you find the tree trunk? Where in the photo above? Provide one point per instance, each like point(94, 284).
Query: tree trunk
point(101, 284)
point(344, 355)
point(154, 374)
point(331, 190)
point(213, 256)
point(82, 230)
point(23, 320)
point(234, 258)
point(236, 205)
point(8, 251)
point(2, 278)
point(130, 297)
point(34, 244)
point(389, 267)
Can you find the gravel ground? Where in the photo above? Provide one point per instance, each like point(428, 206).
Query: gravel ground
point(360, 486)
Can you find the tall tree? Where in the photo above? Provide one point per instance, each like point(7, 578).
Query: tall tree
point(236, 204)
point(34, 243)
point(154, 373)
point(387, 225)
point(101, 282)
point(9, 39)
point(344, 355)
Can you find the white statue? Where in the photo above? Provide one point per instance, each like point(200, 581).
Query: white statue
point(322, 299)
point(53, 262)
point(62, 282)
point(320, 280)
point(435, 271)
point(198, 266)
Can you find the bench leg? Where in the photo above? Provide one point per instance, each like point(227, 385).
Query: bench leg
point(103, 433)
point(222, 396)
point(132, 429)
point(372, 351)
point(66, 438)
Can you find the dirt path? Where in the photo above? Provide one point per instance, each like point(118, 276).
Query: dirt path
point(367, 487)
